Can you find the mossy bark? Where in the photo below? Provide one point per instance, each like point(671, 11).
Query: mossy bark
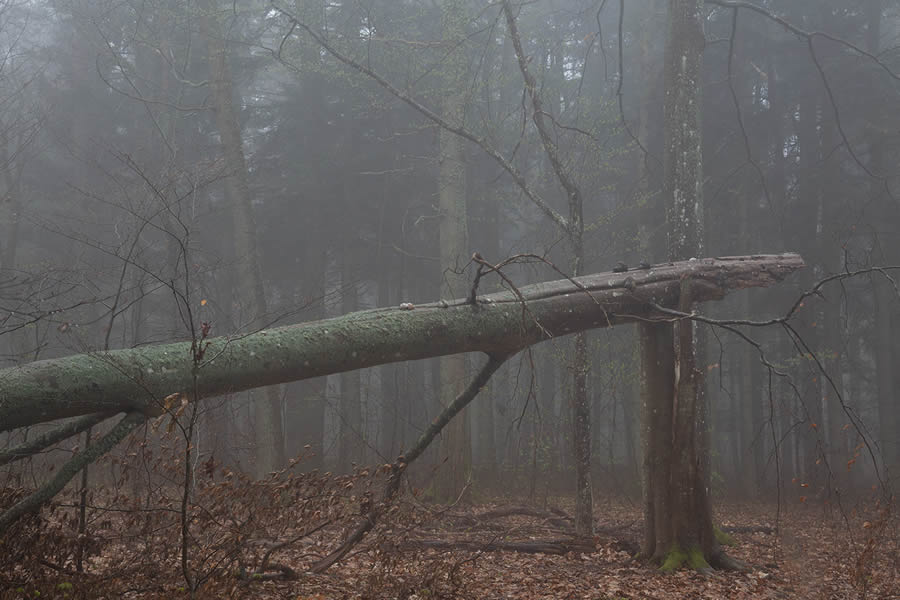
point(141, 378)
point(678, 557)
point(677, 507)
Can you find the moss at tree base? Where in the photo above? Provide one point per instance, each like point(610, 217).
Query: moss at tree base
point(677, 557)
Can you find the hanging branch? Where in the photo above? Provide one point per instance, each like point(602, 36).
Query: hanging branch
point(809, 37)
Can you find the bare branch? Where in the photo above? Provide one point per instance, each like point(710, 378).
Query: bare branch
point(809, 37)
point(573, 193)
point(432, 116)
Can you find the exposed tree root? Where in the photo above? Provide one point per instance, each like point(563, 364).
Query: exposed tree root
point(678, 557)
point(693, 558)
point(721, 560)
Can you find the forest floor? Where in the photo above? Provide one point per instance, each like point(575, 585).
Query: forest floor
point(807, 549)
point(819, 552)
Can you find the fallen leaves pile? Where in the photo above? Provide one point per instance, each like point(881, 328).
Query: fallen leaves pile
point(820, 552)
point(800, 550)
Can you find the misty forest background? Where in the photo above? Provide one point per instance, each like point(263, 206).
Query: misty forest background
point(132, 212)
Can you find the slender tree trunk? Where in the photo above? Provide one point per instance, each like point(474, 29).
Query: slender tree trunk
point(651, 250)
point(305, 414)
point(885, 364)
point(390, 438)
point(489, 236)
point(11, 344)
point(456, 446)
point(747, 397)
point(350, 422)
point(807, 227)
point(884, 296)
point(251, 293)
point(581, 424)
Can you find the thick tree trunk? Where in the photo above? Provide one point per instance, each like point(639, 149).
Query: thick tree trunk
point(679, 528)
point(499, 324)
point(269, 433)
point(657, 382)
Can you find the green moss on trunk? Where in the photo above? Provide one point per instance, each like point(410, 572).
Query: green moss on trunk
point(677, 557)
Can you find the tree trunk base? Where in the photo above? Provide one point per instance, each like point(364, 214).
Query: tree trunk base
point(678, 557)
point(694, 558)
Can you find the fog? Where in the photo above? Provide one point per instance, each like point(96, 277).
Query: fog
point(169, 166)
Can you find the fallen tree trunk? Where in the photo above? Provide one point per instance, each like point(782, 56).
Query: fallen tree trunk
point(497, 324)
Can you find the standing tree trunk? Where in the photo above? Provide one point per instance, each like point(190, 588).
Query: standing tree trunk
point(883, 294)
point(573, 229)
point(456, 446)
point(806, 227)
point(251, 293)
point(350, 424)
point(677, 508)
point(305, 415)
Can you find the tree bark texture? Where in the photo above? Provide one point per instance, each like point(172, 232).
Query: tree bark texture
point(497, 324)
point(683, 156)
point(657, 383)
point(679, 527)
